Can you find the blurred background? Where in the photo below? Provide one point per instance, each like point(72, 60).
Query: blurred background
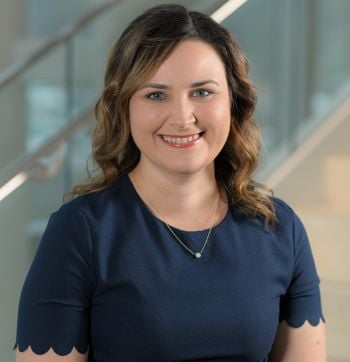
point(52, 60)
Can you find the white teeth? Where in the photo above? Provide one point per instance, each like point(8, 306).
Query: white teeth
point(180, 140)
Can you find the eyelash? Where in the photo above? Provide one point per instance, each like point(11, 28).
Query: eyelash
point(149, 96)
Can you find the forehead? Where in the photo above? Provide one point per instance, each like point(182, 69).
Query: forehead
point(190, 60)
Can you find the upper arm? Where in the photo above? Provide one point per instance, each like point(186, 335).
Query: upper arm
point(29, 356)
point(55, 303)
point(303, 344)
point(301, 331)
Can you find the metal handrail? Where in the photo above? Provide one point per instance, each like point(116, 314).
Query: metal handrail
point(20, 170)
point(14, 70)
point(332, 121)
point(226, 10)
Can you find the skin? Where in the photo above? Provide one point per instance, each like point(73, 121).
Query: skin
point(177, 183)
point(303, 344)
point(182, 109)
point(29, 356)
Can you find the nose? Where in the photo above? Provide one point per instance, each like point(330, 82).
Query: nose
point(182, 113)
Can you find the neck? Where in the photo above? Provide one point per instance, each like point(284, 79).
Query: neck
point(175, 199)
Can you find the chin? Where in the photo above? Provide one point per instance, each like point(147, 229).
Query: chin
point(187, 169)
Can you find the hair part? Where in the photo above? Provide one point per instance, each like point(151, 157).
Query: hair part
point(140, 50)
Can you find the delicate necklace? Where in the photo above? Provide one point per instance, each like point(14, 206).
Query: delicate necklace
point(197, 254)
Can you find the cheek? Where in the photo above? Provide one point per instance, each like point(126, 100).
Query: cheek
point(132, 113)
point(217, 113)
point(142, 117)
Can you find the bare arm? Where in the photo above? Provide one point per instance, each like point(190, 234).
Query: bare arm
point(29, 356)
point(303, 344)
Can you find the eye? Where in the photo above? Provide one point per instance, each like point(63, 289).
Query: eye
point(156, 96)
point(202, 93)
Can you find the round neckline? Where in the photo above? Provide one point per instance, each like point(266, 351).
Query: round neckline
point(155, 217)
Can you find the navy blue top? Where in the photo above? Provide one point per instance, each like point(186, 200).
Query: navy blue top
point(109, 276)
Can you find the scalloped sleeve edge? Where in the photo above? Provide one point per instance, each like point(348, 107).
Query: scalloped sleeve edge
point(297, 323)
point(59, 351)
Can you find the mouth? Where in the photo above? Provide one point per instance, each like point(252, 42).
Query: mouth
point(182, 141)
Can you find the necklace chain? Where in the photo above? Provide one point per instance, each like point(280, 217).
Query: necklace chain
point(197, 254)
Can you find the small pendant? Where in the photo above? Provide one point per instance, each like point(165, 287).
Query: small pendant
point(198, 255)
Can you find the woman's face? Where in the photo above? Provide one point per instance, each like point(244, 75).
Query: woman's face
point(180, 118)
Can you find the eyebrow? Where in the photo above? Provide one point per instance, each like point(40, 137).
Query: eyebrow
point(164, 86)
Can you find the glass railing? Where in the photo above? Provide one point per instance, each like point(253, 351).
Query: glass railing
point(299, 62)
point(53, 89)
point(33, 106)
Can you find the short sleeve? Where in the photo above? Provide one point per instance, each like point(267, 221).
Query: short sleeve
point(54, 306)
point(302, 302)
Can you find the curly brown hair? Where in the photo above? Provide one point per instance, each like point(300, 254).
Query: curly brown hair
point(140, 50)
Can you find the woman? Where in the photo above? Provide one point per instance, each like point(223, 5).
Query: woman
point(173, 252)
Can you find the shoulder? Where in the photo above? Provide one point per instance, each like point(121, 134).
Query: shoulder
point(286, 232)
point(76, 224)
point(97, 204)
point(291, 229)
point(282, 208)
point(287, 217)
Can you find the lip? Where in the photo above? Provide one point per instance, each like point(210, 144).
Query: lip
point(181, 141)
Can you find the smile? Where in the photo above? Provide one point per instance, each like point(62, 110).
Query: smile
point(181, 141)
